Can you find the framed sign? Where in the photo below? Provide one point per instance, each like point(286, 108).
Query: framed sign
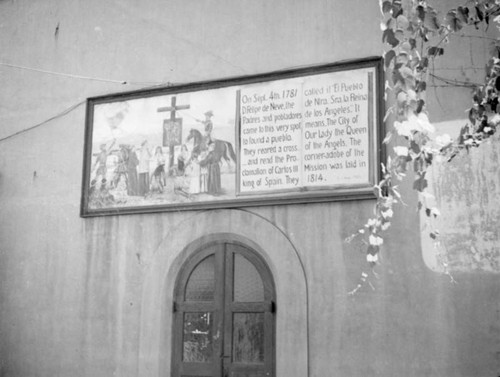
point(301, 135)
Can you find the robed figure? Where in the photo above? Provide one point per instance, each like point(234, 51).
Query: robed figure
point(211, 162)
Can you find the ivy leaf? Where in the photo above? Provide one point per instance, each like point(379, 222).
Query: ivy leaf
point(481, 110)
point(406, 46)
point(412, 95)
point(387, 138)
point(406, 72)
point(397, 9)
point(397, 77)
point(494, 104)
point(463, 14)
point(389, 55)
point(435, 212)
point(388, 24)
point(452, 20)
point(399, 34)
point(421, 87)
point(483, 124)
point(428, 158)
point(478, 96)
point(420, 105)
point(420, 12)
point(420, 183)
point(403, 58)
point(403, 22)
point(479, 13)
point(431, 21)
point(389, 37)
point(414, 147)
point(401, 97)
point(463, 132)
point(497, 83)
point(401, 163)
point(423, 35)
point(435, 51)
point(373, 249)
point(424, 63)
point(386, 7)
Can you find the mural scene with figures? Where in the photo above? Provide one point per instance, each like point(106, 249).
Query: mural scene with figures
point(173, 149)
point(301, 135)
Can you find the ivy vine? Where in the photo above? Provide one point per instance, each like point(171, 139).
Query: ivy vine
point(415, 34)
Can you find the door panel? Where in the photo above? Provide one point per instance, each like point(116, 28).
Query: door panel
point(248, 338)
point(197, 343)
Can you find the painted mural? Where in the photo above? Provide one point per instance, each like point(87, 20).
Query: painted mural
point(167, 149)
point(301, 136)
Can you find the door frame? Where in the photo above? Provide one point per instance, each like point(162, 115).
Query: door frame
point(223, 306)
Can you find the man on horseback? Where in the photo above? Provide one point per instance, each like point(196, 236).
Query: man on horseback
point(201, 141)
point(209, 126)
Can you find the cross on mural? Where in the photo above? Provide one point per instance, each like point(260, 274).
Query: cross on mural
point(172, 128)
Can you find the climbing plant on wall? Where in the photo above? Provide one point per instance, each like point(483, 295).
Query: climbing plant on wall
point(414, 36)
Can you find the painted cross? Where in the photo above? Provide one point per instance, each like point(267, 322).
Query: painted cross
point(172, 129)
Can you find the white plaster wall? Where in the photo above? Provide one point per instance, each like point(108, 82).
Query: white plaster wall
point(77, 295)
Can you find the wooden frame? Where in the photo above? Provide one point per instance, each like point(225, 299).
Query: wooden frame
point(303, 135)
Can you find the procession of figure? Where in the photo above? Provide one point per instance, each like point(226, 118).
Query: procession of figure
point(138, 174)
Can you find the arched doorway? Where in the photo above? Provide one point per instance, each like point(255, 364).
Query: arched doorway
point(224, 314)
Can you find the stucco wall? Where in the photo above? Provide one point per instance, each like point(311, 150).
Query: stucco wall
point(79, 297)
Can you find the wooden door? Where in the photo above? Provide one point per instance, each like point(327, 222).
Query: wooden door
point(224, 315)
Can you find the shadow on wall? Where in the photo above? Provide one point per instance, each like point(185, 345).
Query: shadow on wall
point(467, 193)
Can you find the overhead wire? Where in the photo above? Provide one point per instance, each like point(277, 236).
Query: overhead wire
point(146, 85)
point(123, 82)
point(59, 115)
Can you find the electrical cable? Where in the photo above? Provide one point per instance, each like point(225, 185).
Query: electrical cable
point(122, 82)
point(61, 114)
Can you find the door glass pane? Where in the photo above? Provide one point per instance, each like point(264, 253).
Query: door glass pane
point(197, 338)
point(248, 337)
point(248, 286)
point(201, 283)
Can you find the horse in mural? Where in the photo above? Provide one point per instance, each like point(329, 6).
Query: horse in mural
point(222, 149)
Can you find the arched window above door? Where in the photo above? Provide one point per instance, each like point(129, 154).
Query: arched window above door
point(248, 284)
point(201, 282)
